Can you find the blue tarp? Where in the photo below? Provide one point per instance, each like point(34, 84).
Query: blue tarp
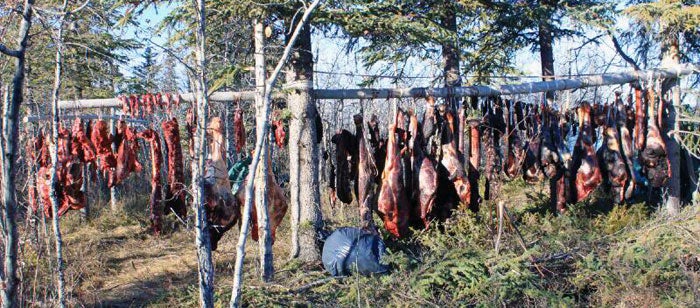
point(350, 250)
point(237, 173)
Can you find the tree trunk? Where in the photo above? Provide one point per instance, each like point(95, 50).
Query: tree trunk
point(60, 281)
point(546, 54)
point(113, 189)
point(303, 153)
point(671, 57)
point(261, 120)
point(10, 132)
point(202, 242)
point(262, 114)
point(450, 58)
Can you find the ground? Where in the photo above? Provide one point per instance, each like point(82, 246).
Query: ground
point(597, 254)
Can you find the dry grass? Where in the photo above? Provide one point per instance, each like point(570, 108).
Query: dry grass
point(620, 256)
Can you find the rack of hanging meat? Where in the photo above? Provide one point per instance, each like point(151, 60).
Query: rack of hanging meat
point(91, 143)
point(420, 174)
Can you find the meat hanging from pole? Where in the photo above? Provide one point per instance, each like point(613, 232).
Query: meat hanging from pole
point(176, 175)
point(155, 206)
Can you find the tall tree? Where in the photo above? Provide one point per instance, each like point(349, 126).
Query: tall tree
point(303, 149)
point(203, 241)
point(666, 21)
point(145, 74)
point(261, 138)
point(55, 95)
point(8, 145)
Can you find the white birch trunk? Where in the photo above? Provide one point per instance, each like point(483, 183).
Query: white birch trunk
point(203, 244)
point(58, 40)
point(262, 120)
point(10, 132)
point(260, 140)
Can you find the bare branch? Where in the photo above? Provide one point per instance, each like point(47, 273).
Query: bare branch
point(9, 52)
point(624, 55)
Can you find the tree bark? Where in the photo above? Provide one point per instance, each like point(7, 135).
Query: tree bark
point(260, 140)
point(113, 190)
point(303, 153)
point(202, 241)
point(10, 133)
point(546, 54)
point(671, 57)
point(450, 59)
point(261, 120)
point(58, 40)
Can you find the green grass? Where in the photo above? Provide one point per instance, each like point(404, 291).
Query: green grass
point(597, 254)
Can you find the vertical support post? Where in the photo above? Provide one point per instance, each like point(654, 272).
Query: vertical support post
point(113, 131)
point(85, 212)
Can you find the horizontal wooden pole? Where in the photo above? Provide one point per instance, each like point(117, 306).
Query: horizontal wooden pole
point(523, 88)
point(34, 118)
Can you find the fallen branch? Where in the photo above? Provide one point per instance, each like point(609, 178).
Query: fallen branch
point(315, 284)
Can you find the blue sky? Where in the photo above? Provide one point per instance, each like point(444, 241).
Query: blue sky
point(330, 57)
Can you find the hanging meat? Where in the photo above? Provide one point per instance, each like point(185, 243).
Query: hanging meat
point(425, 179)
point(126, 154)
point(81, 146)
point(102, 140)
point(626, 143)
point(654, 156)
point(403, 140)
point(126, 104)
point(531, 170)
point(585, 162)
point(474, 162)
point(69, 176)
point(156, 165)
point(393, 204)
point(549, 157)
point(222, 209)
point(148, 103)
point(277, 205)
point(134, 106)
point(176, 174)
point(280, 134)
point(346, 153)
point(377, 144)
point(239, 128)
point(612, 161)
point(490, 161)
point(40, 158)
point(639, 119)
point(450, 161)
point(366, 178)
point(561, 182)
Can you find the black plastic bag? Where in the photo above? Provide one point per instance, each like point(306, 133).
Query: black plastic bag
point(351, 249)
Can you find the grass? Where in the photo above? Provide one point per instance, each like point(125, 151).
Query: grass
point(598, 254)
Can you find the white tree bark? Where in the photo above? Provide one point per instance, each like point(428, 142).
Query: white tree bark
point(203, 241)
point(260, 140)
point(262, 120)
point(10, 132)
point(58, 41)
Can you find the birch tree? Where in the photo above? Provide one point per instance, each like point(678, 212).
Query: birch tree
point(9, 143)
point(55, 95)
point(203, 241)
point(260, 182)
point(261, 138)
